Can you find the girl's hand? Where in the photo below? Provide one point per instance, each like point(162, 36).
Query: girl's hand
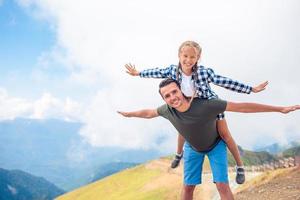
point(131, 70)
point(260, 87)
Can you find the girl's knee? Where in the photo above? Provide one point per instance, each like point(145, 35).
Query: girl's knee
point(225, 135)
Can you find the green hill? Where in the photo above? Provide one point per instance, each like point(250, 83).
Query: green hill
point(291, 152)
point(252, 158)
point(153, 180)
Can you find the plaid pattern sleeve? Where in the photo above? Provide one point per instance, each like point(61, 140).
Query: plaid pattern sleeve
point(227, 82)
point(221, 116)
point(169, 72)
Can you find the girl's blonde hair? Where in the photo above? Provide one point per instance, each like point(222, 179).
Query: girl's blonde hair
point(193, 44)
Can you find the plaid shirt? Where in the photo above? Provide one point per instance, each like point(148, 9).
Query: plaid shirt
point(201, 79)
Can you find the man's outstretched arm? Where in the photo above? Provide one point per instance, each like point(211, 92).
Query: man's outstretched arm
point(146, 113)
point(255, 107)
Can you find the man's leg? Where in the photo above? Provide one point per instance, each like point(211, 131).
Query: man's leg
point(192, 170)
point(226, 136)
point(219, 166)
point(224, 191)
point(187, 192)
point(178, 156)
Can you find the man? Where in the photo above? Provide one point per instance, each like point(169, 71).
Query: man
point(196, 120)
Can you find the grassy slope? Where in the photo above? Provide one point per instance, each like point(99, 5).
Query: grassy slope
point(153, 180)
point(118, 186)
point(278, 184)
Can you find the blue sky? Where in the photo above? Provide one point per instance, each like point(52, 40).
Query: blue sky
point(65, 59)
point(22, 41)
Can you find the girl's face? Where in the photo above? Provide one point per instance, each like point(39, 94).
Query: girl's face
point(188, 57)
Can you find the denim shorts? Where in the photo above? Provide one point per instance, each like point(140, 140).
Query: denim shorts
point(193, 161)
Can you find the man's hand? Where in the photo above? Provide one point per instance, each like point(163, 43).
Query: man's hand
point(260, 87)
point(145, 113)
point(131, 70)
point(125, 114)
point(288, 109)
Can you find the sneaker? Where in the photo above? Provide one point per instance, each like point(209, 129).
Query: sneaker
point(240, 175)
point(176, 161)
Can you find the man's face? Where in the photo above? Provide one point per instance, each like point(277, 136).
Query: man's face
point(172, 95)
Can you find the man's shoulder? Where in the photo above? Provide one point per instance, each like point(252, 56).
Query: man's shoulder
point(210, 107)
point(216, 101)
point(163, 110)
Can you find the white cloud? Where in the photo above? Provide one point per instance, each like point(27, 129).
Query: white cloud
point(251, 41)
point(11, 107)
point(50, 107)
point(104, 127)
point(47, 106)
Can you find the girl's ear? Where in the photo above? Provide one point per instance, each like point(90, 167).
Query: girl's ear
point(179, 54)
point(198, 57)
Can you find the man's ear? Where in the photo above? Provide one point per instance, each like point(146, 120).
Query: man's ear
point(160, 94)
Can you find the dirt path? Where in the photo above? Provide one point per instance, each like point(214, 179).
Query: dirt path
point(281, 184)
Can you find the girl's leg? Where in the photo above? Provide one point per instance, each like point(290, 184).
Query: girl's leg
point(180, 143)
point(226, 136)
point(178, 156)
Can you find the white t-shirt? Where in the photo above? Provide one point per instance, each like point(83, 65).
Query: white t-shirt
point(187, 85)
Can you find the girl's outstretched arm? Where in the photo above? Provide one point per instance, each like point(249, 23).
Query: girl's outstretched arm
point(131, 70)
point(169, 72)
point(260, 87)
point(233, 85)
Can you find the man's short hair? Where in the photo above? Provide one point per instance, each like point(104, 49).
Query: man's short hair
point(166, 82)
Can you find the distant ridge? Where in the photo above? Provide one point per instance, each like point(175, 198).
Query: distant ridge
point(278, 148)
point(19, 185)
point(54, 149)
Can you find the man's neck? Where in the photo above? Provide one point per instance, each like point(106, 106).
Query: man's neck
point(185, 105)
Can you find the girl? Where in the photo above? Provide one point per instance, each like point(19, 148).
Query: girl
point(195, 79)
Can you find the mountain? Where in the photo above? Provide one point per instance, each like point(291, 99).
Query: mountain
point(252, 157)
point(19, 185)
point(257, 158)
point(55, 150)
point(40, 147)
point(291, 152)
point(277, 147)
